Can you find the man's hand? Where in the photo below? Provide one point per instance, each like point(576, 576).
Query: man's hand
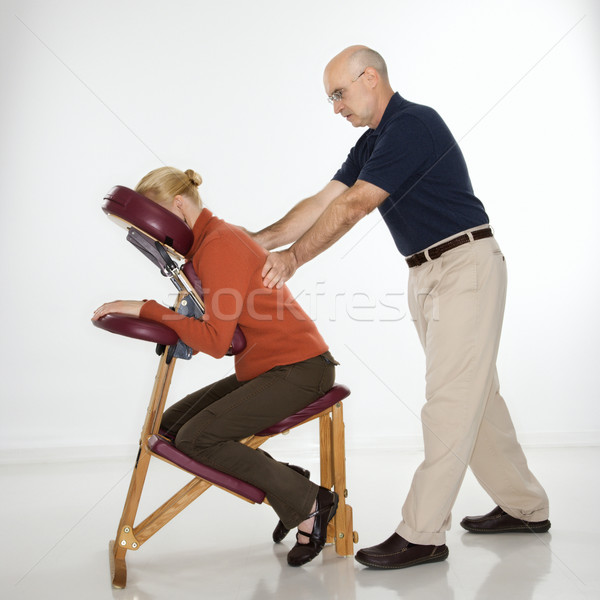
point(279, 267)
point(122, 307)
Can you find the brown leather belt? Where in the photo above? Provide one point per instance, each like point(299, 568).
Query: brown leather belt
point(419, 258)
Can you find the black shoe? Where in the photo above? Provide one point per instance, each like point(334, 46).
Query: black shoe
point(281, 530)
point(497, 521)
point(398, 553)
point(300, 554)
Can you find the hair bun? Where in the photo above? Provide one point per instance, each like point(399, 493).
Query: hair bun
point(194, 178)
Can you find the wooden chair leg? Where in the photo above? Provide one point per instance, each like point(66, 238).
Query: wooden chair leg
point(325, 436)
point(344, 535)
point(125, 538)
point(325, 440)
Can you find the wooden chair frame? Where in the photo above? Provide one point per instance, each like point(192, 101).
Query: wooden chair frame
point(131, 537)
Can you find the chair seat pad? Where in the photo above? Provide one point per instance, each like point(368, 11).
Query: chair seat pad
point(333, 396)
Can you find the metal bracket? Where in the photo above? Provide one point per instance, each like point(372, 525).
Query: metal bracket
point(127, 539)
point(156, 252)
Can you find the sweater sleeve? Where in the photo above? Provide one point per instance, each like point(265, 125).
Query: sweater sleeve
point(225, 277)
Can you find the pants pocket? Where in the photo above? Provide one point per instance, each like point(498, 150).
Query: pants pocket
point(327, 379)
point(315, 375)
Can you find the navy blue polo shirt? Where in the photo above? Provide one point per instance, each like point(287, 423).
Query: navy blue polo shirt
point(413, 156)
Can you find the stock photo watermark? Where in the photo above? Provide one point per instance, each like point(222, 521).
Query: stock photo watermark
point(318, 304)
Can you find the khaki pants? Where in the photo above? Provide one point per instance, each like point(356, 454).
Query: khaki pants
point(209, 423)
point(457, 304)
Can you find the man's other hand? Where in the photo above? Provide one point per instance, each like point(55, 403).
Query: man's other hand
point(279, 267)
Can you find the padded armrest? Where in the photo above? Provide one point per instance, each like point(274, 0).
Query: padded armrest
point(148, 216)
point(152, 331)
point(138, 328)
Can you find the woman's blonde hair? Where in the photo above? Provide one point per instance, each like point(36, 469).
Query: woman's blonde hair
point(167, 182)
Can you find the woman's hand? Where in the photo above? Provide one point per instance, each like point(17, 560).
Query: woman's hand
point(122, 307)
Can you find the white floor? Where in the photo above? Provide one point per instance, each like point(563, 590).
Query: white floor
point(58, 519)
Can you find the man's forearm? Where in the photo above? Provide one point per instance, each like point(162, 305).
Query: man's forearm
point(341, 214)
point(289, 228)
point(300, 219)
point(337, 219)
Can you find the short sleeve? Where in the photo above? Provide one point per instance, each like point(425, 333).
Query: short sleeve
point(349, 171)
point(402, 150)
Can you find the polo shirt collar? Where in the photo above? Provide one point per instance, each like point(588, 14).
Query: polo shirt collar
point(395, 104)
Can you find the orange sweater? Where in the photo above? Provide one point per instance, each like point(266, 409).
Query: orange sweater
point(229, 264)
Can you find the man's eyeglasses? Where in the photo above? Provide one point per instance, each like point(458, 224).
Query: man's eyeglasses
point(337, 95)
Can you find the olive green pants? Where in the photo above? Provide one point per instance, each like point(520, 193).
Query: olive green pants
point(208, 424)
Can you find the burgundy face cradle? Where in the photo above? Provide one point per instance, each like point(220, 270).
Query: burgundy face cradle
point(149, 217)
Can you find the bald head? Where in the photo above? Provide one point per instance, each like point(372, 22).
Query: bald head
point(356, 81)
point(357, 59)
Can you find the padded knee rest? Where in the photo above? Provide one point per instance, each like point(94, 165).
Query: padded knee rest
point(168, 451)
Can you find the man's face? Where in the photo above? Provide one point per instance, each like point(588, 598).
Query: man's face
point(350, 97)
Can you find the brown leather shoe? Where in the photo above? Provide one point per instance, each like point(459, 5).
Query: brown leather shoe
point(398, 553)
point(497, 521)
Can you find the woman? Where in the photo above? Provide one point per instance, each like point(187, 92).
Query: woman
point(284, 367)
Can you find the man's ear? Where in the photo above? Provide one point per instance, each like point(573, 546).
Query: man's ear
point(372, 76)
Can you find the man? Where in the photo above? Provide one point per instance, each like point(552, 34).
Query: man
point(408, 165)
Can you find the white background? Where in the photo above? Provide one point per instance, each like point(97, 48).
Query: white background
point(96, 94)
